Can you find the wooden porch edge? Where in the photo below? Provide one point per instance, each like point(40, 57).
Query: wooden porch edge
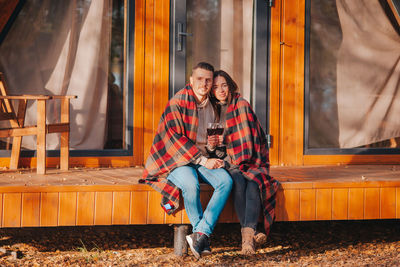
point(285, 185)
point(113, 197)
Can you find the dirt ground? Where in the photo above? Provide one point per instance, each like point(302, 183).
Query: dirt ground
point(344, 243)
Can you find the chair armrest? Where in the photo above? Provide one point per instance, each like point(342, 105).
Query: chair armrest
point(26, 97)
point(38, 97)
point(63, 96)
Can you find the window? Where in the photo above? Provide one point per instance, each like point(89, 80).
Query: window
point(75, 47)
point(352, 86)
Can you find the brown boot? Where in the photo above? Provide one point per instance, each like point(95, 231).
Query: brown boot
point(248, 247)
point(259, 238)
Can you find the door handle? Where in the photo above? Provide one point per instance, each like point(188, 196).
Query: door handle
point(180, 34)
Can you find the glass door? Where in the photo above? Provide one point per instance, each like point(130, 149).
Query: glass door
point(232, 35)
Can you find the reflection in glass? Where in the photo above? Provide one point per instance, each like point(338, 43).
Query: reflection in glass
point(222, 36)
point(115, 110)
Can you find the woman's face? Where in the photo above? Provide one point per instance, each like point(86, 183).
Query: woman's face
point(220, 89)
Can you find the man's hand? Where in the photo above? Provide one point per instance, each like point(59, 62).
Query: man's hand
point(214, 163)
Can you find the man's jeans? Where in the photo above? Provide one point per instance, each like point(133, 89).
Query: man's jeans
point(187, 179)
point(246, 199)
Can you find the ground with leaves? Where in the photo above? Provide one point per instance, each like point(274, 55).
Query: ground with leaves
point(347, 243)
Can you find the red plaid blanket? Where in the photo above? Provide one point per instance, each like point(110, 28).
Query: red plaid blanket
point(246, 145)
point(173, 146)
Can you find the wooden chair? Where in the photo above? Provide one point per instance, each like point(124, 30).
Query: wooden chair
point(18, 129)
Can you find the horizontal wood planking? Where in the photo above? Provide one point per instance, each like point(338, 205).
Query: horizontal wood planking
point(338, 204)
point(92, 208)
point(112, 196)
point(26, 209)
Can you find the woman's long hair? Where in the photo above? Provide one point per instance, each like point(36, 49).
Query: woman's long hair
point(232, 87)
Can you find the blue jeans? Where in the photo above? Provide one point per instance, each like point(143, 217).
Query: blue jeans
point(246, 199)
point(187, 179)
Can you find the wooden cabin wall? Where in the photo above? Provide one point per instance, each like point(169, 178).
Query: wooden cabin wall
point(287, 81)
point(151, 81)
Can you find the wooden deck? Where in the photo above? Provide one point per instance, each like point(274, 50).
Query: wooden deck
point(113, 196)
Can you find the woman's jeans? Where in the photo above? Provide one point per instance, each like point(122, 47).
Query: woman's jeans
point(246, 199)
point(187, 179)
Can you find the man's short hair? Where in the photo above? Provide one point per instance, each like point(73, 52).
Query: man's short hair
point(204, 66)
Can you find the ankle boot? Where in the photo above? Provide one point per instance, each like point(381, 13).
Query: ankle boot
point(248, 247)
point(259, 238)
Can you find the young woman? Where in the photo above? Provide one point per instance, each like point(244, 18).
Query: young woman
point(246, 158)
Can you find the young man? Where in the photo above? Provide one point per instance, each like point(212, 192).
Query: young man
point(179, 152)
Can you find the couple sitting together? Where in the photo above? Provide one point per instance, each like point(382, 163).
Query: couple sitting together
point(183, 155)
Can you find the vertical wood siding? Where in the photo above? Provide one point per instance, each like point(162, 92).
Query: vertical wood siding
point(151, 72)
point(287, 81)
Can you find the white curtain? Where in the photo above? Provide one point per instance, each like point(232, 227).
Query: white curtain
point(368, 74)
point(62, 48)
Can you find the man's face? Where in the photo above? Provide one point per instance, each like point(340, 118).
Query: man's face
point(201, 81)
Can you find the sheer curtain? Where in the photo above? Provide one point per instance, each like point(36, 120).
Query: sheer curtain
point(368, 75)
point(62, 47)
point(354, 75)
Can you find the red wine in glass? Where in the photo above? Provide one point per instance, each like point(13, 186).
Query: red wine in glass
point(215, 129)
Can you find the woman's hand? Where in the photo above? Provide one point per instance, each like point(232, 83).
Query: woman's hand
point(220, 140)
point(214, 163)
point(213, 141)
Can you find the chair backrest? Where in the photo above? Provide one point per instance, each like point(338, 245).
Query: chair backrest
point(7, 112)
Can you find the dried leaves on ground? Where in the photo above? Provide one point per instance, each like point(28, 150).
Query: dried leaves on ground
point(331, 243)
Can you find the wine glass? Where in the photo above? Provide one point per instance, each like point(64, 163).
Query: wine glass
point(215, 128)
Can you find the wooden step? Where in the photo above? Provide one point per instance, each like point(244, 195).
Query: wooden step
point(113, 196)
